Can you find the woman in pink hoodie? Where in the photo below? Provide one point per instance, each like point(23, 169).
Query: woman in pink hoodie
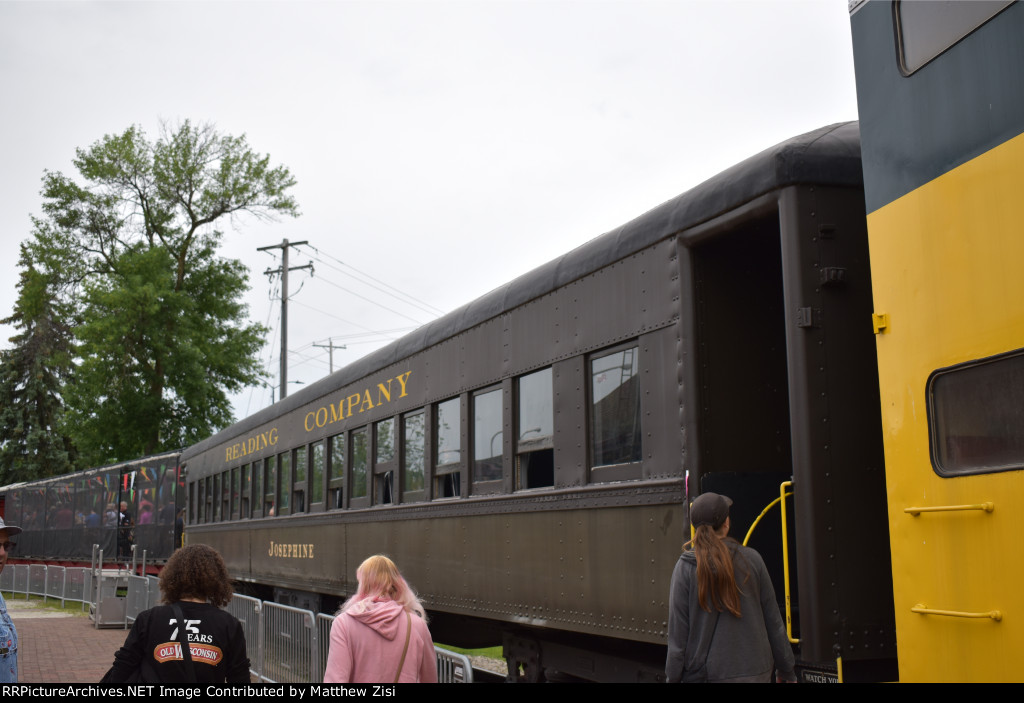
point(380, 634)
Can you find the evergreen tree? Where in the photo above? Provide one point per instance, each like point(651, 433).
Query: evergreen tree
point(32, 374)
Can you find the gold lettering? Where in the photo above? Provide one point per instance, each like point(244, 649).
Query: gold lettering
point(402, 379)
point(367, 403)
point(271, 548)
point(382, 391)
point(340, 414)
point(311, 551)
point(350, 403)
point(252, 445)
point(273, 436)
point(305, 422)
point(319, 422)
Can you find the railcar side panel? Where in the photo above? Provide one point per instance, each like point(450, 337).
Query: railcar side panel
point(943, 163)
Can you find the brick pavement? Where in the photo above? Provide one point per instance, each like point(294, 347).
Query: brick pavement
point(58, 648)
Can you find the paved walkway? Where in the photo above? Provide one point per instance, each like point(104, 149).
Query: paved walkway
point(55, 647)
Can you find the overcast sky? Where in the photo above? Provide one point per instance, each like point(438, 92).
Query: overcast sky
point(441, 147)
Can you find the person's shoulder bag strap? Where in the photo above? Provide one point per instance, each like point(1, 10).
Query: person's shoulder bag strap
point(405, 649)
point(186, 653)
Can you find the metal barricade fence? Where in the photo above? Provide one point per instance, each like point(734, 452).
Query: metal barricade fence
point(453, 667)
point(77, 584)
point(248, 612)
point(37, 579)
point(154, 591)
point(289, 644)
point(137, 598)
point(285, 644)
point(21, 579)
point(323, 638)
point(55, 583)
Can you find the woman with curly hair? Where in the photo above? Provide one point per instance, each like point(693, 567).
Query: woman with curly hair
point(380, 634)
point(195, 586)
point(723, 622)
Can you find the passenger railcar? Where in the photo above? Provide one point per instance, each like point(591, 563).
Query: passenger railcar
point(527, 459)
point(63, 517)
point(941, 94)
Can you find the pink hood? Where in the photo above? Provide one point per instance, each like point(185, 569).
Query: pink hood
point(384, 616)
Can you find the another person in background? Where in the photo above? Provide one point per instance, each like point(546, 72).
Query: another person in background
point(723, 620)
point(380, 634)
point(8, 635)
point(195, 587)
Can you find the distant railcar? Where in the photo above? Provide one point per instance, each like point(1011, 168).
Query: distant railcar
point(64, 517)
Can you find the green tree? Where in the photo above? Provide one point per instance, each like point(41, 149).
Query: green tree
point(162, 337)
point(32, 373)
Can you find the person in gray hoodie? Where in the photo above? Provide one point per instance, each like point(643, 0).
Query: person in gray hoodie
point(724, 623)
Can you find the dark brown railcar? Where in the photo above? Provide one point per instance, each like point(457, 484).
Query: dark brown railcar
point(738, 317)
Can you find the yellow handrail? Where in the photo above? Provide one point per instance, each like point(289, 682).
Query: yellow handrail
point(763, 513)
point(996, 615)
point(987, 507)
point(785, 562)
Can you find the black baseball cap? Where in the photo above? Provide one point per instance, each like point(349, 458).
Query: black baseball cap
point(710, 509)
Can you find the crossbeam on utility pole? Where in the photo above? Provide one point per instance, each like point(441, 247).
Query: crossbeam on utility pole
point(283, 270)
point(330, 354)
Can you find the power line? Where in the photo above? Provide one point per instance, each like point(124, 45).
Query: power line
point(410, 299)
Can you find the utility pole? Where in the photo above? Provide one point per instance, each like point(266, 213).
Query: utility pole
point(330, 355)
point(283, 246)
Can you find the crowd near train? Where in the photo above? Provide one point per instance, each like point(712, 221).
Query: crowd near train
point(830, 333)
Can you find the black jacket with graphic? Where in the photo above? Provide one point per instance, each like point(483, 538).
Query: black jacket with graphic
point(152, 651)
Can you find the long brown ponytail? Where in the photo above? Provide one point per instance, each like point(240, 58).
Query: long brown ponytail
point(716, 582)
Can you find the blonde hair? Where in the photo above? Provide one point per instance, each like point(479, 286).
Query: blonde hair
point(380, 579)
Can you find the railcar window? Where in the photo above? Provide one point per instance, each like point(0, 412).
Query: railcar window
point(200, 513)
point(385, 431)
point(384, 454)
point(615, 408)
point(976, 412)
point(299, 494)
point(336, 476)
point(207, 504)
point(316, 488)
point(284, 482)
point(225, 495)
point(535, 453)
point(236, 496)
point(359, 457)
point(246, 492)
point(449, 432)
point(926, 29)
point(257, 472)
point(488, 436)
point(215, 497)
point(270, 486)
point(414, 456)
point(191, 504)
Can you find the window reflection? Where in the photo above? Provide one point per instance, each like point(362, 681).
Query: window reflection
point(615, 408)
point(414, 460)
point(487, 436)
point(359, 463)
point(535, 454)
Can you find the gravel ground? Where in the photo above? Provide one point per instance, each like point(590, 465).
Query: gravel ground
point(496, 665)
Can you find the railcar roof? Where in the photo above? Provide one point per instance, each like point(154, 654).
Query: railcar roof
point(827, 156)
point(89, 472)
